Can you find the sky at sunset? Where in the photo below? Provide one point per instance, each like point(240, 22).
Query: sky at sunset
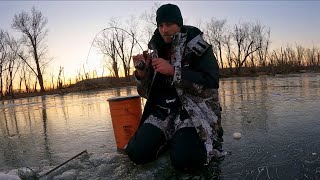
point(73, 24)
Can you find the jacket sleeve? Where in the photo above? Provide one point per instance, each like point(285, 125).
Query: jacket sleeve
point(142, 85)
point(201, 75)
point(202, 70)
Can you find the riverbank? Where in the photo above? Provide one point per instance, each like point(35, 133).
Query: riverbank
point(106, 83)
point(85, 85)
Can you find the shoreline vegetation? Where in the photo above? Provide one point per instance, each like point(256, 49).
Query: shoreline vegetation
point(102, 83)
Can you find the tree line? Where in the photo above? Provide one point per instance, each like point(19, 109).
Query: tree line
point(23, 58)
point(245, 47)
point(242, 48)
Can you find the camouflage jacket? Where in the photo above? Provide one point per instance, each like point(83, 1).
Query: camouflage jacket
point(196, 80)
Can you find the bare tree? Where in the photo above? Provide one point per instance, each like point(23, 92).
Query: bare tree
point(149, 17)
point(311, 59)
point(117, 44)
point(261, 37)
point(106, 45)
point(3, 56)
point(26, 76)
point(59, 81)
point(264, 43)
point(32, 27)
point(282, 60)
point(247, 42)
point(52, 81)
point(20, 81)
point(216, 30)
point(300, 55)
point(317, 63)
point(228, 46)
point(12, 61)
point(11, 70)
point(125, 45)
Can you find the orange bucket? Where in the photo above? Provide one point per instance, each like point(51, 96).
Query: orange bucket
point(125, 114)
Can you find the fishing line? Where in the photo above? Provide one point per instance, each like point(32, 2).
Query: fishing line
point(108, 28)
point(117, 28)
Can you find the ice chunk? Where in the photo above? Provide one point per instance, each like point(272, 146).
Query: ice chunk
point(236, 135)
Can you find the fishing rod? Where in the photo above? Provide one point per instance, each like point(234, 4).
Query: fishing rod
point(27, 173)
point(154, 55)
point(115, 28)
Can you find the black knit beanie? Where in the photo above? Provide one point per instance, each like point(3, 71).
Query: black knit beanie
point(169, 13)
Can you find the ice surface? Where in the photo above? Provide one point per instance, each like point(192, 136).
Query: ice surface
point(278, 118)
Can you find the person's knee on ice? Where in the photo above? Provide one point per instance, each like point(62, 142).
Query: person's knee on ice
point(144, 146)
point(187, 150)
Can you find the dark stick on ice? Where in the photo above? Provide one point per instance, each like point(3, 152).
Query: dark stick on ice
point(31, 174)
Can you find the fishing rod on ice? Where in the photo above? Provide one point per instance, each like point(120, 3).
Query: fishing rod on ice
point(26, 173)
point(140, 64)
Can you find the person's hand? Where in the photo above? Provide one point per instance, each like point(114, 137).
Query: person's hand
point(162, 66)
point(138, 59)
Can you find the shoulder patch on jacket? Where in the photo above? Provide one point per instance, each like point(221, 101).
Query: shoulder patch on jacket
point(198, 45)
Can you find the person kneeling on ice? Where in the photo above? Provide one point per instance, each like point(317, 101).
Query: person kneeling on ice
point(181, 84)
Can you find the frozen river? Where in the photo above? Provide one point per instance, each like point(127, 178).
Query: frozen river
point(278, 117)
